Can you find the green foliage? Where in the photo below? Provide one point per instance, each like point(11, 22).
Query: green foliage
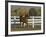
point(32, 12)
point(35, 11)
point(17, 11)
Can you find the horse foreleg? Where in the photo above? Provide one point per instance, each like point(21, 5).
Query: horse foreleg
point(24, 24)
point(21, 23)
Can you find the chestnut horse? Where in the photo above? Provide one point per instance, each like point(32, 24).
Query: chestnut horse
point(23, 17)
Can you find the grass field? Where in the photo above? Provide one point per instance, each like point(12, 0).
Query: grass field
point(26, 28)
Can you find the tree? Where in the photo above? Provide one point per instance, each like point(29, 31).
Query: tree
point(35, 11)
point(17, 11)
point(32, 12)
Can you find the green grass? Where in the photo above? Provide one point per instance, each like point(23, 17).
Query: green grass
point(26, 28)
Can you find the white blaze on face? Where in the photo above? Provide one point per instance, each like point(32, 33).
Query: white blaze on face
point(23, 16)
